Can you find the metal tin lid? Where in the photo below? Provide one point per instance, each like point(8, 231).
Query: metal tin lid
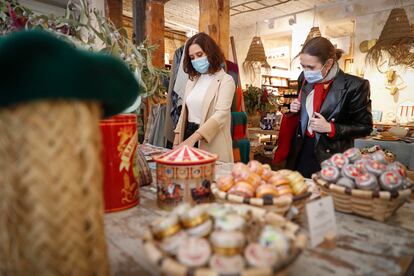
point(185, 155)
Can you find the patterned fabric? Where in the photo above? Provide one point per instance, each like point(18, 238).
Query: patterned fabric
point(238, 125)
point(241, 145)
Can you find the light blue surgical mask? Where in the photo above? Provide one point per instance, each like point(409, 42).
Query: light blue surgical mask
point(313, 76)
point(201, 65)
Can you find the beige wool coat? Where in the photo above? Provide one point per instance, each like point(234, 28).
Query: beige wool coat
point(216, 116)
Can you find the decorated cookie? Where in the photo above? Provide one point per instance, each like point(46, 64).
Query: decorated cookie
point(255, 167)
point(351, 171)
point(391, 181)
point(240, 171)
point(297, 183)
point(227, 265)
point(398, 167)
point(217, 211)
point(330, 174)
point(361, 165)
point(259, 256)
point(267, 190)
point(284, 190)
point(166, 227)
point(327, 163)
point(227, 243)
point(278, 179)
point(274, 239)
point(267, 172)
point(224, 183)
point(353, 154)
point(195, 252)
point(201, 230)
point(366, 181)
point(375, 167)
point(243, 189)
point(339, 160)
point(230, 222)
point(171, 244)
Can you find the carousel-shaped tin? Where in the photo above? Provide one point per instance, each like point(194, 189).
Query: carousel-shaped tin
point(184, 174)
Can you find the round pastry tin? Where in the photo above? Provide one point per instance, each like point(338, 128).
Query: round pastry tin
point(391, 181)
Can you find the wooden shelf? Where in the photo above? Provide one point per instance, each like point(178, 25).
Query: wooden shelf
point(277, 86)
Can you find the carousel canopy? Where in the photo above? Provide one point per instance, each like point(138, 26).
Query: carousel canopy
point(185, 155)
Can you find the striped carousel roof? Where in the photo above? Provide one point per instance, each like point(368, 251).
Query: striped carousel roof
point(185, 155)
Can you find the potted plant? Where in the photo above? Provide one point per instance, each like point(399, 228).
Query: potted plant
point(258, 102)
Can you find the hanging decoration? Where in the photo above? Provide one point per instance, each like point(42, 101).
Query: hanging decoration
point(256, 57)
point(314, 31)
point(396, 42)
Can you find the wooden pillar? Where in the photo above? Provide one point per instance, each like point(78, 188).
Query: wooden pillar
point(154, 26)
point(114, 12)
point(138, 12)
point(215, 21)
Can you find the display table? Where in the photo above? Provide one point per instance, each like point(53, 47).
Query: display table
point(404, 151)
point(363, 247)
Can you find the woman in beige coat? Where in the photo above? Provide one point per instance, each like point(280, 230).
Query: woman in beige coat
point(205, 119)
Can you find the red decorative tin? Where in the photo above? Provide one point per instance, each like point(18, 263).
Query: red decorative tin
point(120, 140)
point(184, 174)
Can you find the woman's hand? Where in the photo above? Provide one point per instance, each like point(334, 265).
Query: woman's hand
point(190, 141)
point(319, 124)
point(295, 106)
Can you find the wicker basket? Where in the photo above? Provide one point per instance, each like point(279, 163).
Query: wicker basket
point(170, 266)
point(278, 205)
point(51, 203)
point(375, 205)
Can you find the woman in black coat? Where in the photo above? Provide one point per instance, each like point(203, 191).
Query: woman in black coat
point(334, 108)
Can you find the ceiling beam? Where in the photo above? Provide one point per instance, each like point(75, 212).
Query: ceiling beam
point(264, 6)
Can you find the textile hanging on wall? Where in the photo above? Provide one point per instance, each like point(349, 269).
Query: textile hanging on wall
point(156, 136)
point(176, 90)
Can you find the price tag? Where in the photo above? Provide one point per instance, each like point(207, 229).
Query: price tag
point(321, 220)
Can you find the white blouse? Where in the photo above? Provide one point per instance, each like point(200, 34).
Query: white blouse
point(195, 98)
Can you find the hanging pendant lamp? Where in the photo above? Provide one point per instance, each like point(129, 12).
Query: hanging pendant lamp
point(395, 42)
point(314, 31)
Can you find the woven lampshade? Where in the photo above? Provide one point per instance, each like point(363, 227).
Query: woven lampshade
point(256, 51)
point(314, 32)
point(396, 39)
point(396, 27)
point(255, 56)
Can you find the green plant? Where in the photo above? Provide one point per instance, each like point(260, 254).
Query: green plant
point(88, 29)
point(259, 100)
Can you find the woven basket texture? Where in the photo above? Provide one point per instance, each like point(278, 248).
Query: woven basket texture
point(51, 204)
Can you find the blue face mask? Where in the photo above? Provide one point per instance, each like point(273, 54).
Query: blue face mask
point(313, 76)
point(201, 65)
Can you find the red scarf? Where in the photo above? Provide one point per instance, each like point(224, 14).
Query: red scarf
point(290, 121)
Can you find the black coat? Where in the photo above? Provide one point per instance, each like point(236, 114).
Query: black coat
point(348, 106)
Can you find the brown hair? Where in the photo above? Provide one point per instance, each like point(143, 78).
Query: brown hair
point(321, 48)
point(214, 54)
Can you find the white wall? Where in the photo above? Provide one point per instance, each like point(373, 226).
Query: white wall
point(369, 27)
point(370, 18)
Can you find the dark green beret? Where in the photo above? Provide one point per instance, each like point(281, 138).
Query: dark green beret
point(36, 65)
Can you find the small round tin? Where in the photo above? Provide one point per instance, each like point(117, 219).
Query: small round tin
point(391, 181)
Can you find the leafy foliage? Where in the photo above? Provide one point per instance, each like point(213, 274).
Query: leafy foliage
point(256, 99)
point(88, 29)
